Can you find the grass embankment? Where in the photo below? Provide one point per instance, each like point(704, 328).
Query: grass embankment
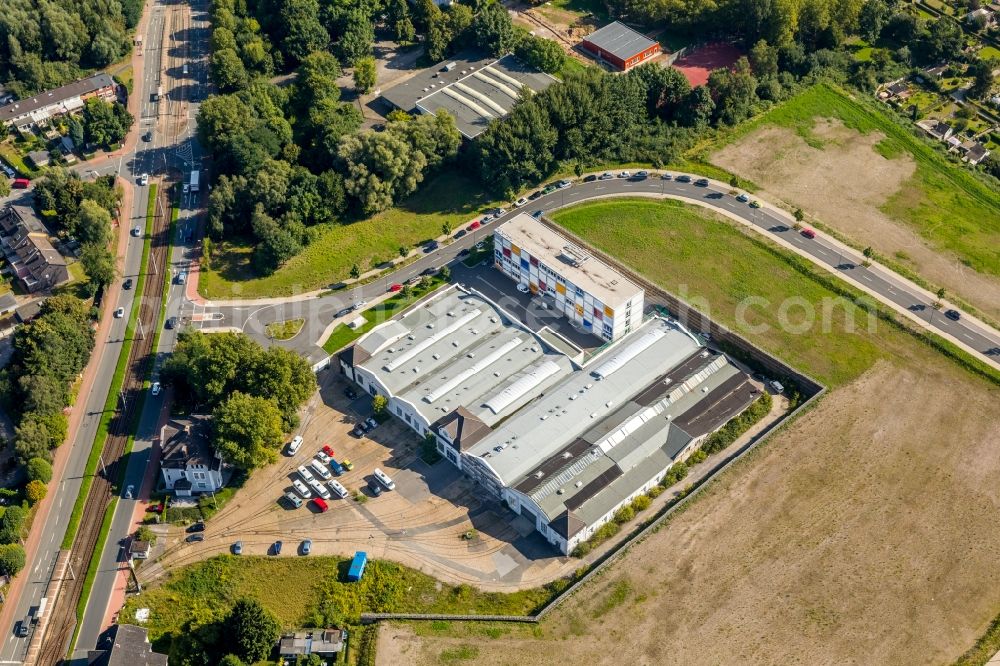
point(450, 198)
point(757, 290)
point(116, 381)
point(284, 330)
point(313, 593)
point(343, 335)
point(949, 206)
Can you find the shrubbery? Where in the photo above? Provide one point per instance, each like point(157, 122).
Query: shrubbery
point(738, 425)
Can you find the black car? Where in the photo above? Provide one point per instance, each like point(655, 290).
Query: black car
point(171, 322)
point(464, 253)
point(127, 284)
point(701, 182)
point(344, 312)
point(460, 233)
point(430, 247)
point(534, 195)
point(589, 179)
point(350, 393)
point(537, 214)
point(148, 136)
point(954, 315)
point(429, 271)
point(641, 175)
point(21, 630)
point(684, 179)
point(359, 431)
point(375, 487)
point(195, 538)
point(196, 527)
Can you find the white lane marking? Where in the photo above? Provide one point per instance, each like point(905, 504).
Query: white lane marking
point(967, 336)
point(866, 277)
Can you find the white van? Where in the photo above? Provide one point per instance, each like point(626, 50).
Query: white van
point(319, 488)
point(294, 445)
point(338, 488)
point(185, 69)
point(320, 469)
point(293, 498)
point(384, 479)
point(301, 489)
point(305, 474)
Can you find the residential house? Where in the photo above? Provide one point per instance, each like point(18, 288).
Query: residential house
point(935, 71)
point(129, 647)
point(28, 250)
point(898, 89)
point(188, 463)
point(139, 550)
point(37, 110)
point(28, 311)
point(326, 643)
point(981, 17)
point(938, 129)
point(974, 152)
point(40, 158)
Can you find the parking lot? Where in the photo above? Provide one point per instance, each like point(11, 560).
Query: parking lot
point(422, 523)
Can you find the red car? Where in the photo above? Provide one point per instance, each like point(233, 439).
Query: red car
point(395, 287)
point(475, 225)
point(20, 183)
point(809, 233)
point(327, 450)
point(320, 504)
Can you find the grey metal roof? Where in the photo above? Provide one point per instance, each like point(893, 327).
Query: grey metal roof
point(55, 96)
point(459, 349)
point(620, 40)
point(478, 89)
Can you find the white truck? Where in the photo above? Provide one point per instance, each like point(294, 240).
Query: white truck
point(193, 184)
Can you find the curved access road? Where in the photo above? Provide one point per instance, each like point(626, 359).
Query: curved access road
point(882, 284)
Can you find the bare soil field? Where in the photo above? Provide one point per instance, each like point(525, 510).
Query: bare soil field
point(862, 533)
point(845, 183)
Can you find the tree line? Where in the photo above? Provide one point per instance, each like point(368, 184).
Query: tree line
point(46, 43)
point(83, 210)
point(253, 394)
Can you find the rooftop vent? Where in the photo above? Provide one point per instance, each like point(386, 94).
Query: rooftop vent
point(493, 320)
point(567, 455)
point(451, 314)
point(430, 325)
point(436, 356)
point(391, 349)
point(544, 416)
point(560, 491)
point(578, 484)
point(411, 337)
point(539, 474)
point(573, 397)
point(471, 355)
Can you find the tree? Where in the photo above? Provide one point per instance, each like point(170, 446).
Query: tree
point(11, 524)
point(403, 252)
point(355, 271)
point(735, 92)
point(940, 296)
point(364, 74)
point(99, 265)
point(764, 59)
point(231, 660)
point(873, 17)
point(300, 29)
point(4, 187)
point(494, 30)
point(540, 53)
point(445, 273)
point(228, 70)
point(398, 18)
point(869, 253)
point(944, 40)
point(446, 228)
point(309, 660)
point(379, 402)
point(799, 215)
point(254, 630)
point(39, 469)
point(104, 123)
point(35, 491)
point(982, 78)
point(358, 37)
point(11, 558)
point(92, 223)
point(247, 431)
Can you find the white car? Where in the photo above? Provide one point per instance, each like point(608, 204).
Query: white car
point(187, 188)
point(564, 183)
point(301, 489)
point(294, 445)
point(119, 313)
point(155, 388)
point(743, 198)
point(320, 469)
point(520, 202)
point(305, 474)
point(136, 231)
point(320, 489)
point(144, 179)
point(338, 488)
point(322, 457)
point(624, 174)
point(523, 288)
point(129, 491)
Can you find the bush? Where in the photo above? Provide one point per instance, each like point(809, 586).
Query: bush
point(11, 559)
point(655, 492)
point(35, 491)
point(738, 425)
point(624, 514)
point(12, 524)
point(674, 474)
point(641, 503)
point(697, 457)
point(144, 533)
point(39, 469)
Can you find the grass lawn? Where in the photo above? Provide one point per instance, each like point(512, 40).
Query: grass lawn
point(924, 100)
point(284, 330)
point(582, 7)
point(679, 246)
point(343, 335)
point(949, 206)
point(989, 52)
point(449, 198)
point(312, 593)
point(12, 157)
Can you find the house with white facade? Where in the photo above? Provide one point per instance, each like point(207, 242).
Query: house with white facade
point(188, 463)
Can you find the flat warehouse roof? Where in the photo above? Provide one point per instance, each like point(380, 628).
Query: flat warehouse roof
point(459, 349)
point(476, 90)
point(620, 40)
point(587, 272)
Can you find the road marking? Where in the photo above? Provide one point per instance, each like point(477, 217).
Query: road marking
point(866, 277)
point(967, 336)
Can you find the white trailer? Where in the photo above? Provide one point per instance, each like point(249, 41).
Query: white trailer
point(194, 180)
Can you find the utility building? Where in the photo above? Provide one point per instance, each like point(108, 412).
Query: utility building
point(620, 46)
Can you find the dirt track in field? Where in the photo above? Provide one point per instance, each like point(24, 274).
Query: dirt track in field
point(844, 184)
point(864, 533)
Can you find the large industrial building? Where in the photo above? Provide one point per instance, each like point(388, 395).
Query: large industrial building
point(474, 88)
point(564, 444)
point(585, 289)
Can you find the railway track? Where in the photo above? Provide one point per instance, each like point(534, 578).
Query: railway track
point(63, 618)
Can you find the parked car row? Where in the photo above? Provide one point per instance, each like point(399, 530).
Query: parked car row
point(315, 480)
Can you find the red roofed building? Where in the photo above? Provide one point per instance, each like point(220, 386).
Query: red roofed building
point(620, 46)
